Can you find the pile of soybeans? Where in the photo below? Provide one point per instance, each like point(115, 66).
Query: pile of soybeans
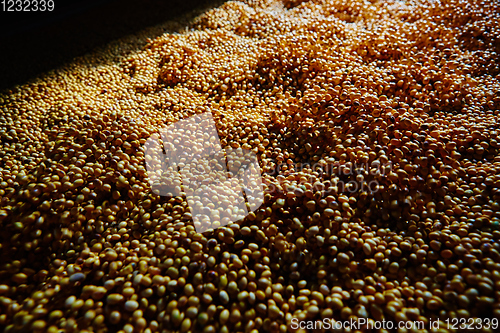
point(376, 125)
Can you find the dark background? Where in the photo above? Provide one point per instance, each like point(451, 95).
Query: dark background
point(34, 42)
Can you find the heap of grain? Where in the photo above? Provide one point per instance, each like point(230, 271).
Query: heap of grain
point(376, 126)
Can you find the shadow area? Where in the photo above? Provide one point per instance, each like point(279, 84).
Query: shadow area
point(34, 42)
